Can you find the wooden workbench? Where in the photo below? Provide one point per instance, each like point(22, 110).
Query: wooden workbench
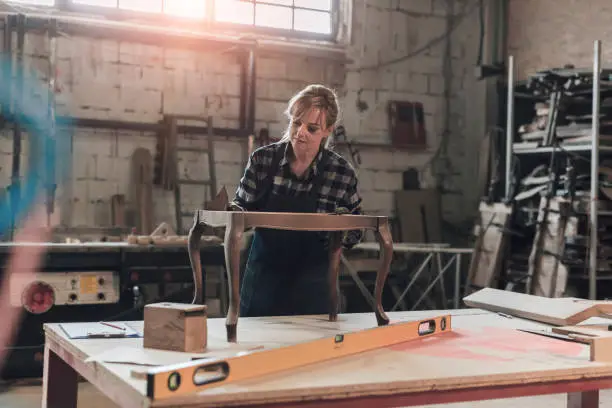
point(485, 357)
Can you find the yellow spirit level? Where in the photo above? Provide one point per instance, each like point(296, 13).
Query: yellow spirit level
point(185, 378)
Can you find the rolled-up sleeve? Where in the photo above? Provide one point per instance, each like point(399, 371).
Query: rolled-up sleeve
point(352, 202)
point(250, 183)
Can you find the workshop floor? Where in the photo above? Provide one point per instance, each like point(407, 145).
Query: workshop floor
point(29, 396)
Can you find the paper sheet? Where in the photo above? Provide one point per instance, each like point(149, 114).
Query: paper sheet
point(142, 356)
point(89, 330)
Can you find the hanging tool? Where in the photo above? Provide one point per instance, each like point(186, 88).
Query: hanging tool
point(180, 379)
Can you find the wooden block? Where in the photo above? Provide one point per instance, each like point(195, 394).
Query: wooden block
point(175, 326)
point(598, 337)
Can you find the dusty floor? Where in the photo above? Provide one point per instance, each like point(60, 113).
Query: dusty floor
point(29, 396)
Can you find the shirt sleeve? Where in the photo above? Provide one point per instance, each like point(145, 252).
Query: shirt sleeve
point(352, 202)
point(250, 183)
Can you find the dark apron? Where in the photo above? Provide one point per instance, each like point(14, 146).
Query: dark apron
point(286, 272)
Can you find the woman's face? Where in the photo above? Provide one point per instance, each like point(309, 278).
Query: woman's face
point(308, 131)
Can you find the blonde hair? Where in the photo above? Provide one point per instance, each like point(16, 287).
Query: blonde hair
point(312, 96)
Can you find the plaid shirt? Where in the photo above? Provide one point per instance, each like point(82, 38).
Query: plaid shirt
point(338, 189)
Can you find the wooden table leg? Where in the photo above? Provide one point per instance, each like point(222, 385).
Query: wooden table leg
point(335, 252)
point(586, 399)
point(233, 240)
point(383, 236)
point(60, 382)
point(194, 242)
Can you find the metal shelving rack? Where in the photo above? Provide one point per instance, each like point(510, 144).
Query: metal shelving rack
point(594, 149)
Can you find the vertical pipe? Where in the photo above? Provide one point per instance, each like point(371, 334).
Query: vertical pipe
point(9, 25)
point(509, 125)
point(457, 279)
point(594, 171)
point(250, 102)
point(16, 166)
point(50, 170)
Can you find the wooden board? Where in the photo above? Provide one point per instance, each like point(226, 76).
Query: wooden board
point(141, 187)
point(490, 246)
point(549, 274)
point(419, 215)
point(554, 311)
point(484, 350)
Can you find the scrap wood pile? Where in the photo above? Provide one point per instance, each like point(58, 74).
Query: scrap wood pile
point(537, 239)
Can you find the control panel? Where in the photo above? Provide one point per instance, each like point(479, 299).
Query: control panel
point(38, 295)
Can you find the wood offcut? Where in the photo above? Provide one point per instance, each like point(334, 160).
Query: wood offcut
point(175, 327)
point(235, 223)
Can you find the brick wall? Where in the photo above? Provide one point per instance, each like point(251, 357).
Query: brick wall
point(118, 80)
point(547, 33)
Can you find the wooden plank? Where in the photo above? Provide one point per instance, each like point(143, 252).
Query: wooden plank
point(549, 274)
point(419, 213)
point(484, 351)
point(490, 246)
point(554, 311)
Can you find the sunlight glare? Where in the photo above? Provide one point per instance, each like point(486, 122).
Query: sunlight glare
point(35, 2)
point(150, 6)
point(99, 3)
point(273, 16)
point(312, 21)
point(324, 5)
point(186, 8)
point(234, 11)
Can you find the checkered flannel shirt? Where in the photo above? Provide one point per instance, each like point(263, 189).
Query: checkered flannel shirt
point(338, 190)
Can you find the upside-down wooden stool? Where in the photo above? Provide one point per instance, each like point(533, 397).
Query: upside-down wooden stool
point(235, 222)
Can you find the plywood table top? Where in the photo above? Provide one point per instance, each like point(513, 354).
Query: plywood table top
point(485, 350)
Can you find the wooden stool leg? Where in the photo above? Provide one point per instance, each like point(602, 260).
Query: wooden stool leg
point(335, 252)
point(383, 236)
point(233, 239)
point(587, 399)
point(60, 382)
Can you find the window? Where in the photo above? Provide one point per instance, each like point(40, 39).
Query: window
point(34, 2)
point(300, 15)
point(272, 16)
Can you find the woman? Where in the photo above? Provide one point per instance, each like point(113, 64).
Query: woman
point(286, 272)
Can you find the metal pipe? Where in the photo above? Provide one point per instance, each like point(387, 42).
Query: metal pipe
point(251, 78)
point(16, 165)
point(509, 125)
point(594, 171)
point(9, 22)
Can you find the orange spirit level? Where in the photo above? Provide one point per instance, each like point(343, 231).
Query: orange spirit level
point(186, 378)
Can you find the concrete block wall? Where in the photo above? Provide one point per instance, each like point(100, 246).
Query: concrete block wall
point(399, 49)
point(107, 79)
point(545, 33)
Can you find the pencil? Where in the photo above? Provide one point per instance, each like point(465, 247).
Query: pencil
point(112, 325)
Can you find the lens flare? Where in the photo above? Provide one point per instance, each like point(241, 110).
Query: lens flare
point(27, 101)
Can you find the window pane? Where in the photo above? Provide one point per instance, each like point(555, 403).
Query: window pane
point(281, 2)
point(186, 8)
point(102, 3)
point(234, 11)
point(312, 21)
point(315, 4)
point(37, 2)
point(141, 5)
point(273, 16)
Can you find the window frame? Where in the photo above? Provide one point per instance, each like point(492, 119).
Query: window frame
point(208, 22)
